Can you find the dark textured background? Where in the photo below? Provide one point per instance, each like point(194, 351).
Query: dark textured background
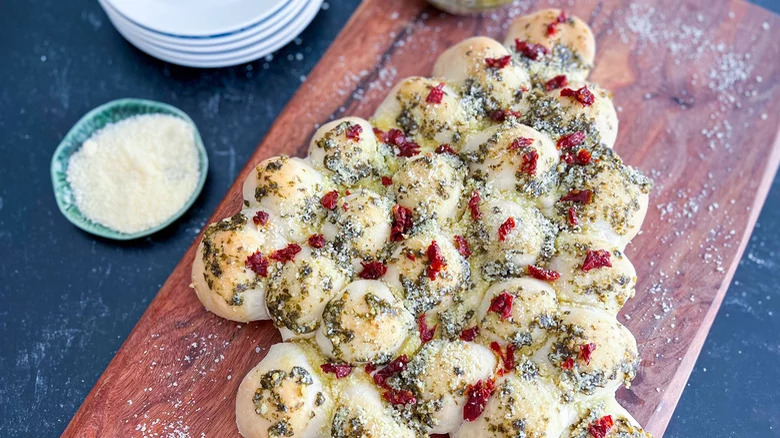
point(68, 299)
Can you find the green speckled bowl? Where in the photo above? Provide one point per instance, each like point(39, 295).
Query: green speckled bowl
point(94, 120)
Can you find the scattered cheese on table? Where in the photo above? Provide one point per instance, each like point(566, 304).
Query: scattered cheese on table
point(134, 174)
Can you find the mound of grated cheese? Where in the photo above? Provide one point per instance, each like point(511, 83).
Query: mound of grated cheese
point(135, 174)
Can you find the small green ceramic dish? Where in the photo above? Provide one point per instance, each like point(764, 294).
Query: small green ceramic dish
point(93, 121)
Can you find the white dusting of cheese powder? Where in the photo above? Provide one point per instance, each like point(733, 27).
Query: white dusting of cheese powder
point(134, 174)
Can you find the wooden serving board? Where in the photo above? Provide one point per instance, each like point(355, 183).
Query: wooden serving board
point(698, 94)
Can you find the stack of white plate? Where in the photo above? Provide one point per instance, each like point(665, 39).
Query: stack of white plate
point(210, 33)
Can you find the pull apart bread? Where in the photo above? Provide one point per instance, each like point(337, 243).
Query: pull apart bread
point(455, 265)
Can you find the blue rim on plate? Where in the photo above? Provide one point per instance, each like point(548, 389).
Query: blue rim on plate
point(93, 121)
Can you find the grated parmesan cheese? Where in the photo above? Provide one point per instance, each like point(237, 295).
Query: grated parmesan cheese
point(134, 174)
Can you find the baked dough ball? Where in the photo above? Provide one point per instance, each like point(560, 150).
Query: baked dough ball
point(570, 47)
point(429, 124)
point(601, 113)
point(520, 406)
point(607, 287)
point(364, 323)
point(220, 276)
point(618, 203)
point(590, 356)
point(474, 66)
point(300, 290)
point(359, 226)
point(289, 187)
point(410, 272)
point(346, 150)
point(282, 396)
point(533, 312)
point(605, 416)
point(512, 158)
point(441, 372)
point(515, 234)
point(430, 185)
point(360, 413)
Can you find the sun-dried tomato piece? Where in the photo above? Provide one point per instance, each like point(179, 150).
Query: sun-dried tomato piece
point(556, 82)
point(286, 254)
point(586, 350)
point(596, 259)
point(582, 196)
point(469, 334)
point(387, 181)
point(474, 205)
point(381, 135)
point(567, 364)
point(340, 370)
point(583, 157)
point(462, 245)
point(399, 397)
point(508, 358)
point(501, 115)
point(436, 94)
point(540, 273)
point(582, 95)
point(408, 149)
point(600, 427)
point(353, 132)
point(530, 50)
point(372, 270)
point(257, 263)
point(391, 369)
point(426, 333)
point(498, 63)
point(402, 223)
point(502, 304)
point(370, 368)
point(395, 137)
point(530, 159)
point(520, 142)
point(411, 256)
point(552, 28)
point(571, 140)
point(446, 149)
point(477, 398)
point(436, 262)
point(316, 241)
point(574, 219)
point(506, 228)
point(330, 200)
point(260, 218)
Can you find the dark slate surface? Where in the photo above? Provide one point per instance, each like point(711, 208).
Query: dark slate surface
point(68, 299)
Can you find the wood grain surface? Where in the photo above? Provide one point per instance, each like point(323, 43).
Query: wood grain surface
point(697, 90)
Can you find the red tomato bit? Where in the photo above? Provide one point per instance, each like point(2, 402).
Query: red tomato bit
point(478, 395)
point(372, 270)
point(396, 137)
point(568, 364)
point(582, 95)
point(446, 149)
point(552, 28)
point(285, 254)
point(530, 50)
point(436, 261)
point(399, 397)
point(582, 196)
point(353, 132)
point(316, 240)
point(261, 218)
point(529, 163)
point(436, 94)
point(600, 427)
point(469, 334)
point(426, 333)
point(463, 246)
point(340, 370)
point(596, 259)
point(402, 223)
point(556, 82)
point(474, 205)
point(586, 350)
point(506, 228)
point(502, 304)
point(501, 115)
point(257, 263)
point(498, 63)
point(330, 199)
point(508, 358)
point(387, 181)
point(574, 220)
point(520, 142)
point(571, 140)
point(391, 369)
point(370, 368)
point(540, 273)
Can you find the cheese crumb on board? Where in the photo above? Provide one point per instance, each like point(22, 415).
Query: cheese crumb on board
point(134, 174)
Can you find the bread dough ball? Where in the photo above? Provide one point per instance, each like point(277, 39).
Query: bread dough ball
point(571, 48)
point(534, 312)
point(429, 124)
point(360, 413)
point(346, 150)
point(364, 323)
point(520, 406)
point(220, 276)
point(300, 290)
point(513, 158)
point(531, 236)
point(611, 362)
point(619, 202)
point(359, 226)
point(592, 413)
point(485, 88)
point(601, 113)
point(282, 396)
point(291, 188)
point(606, 288)
point(408, 273)
point(431, 186)
point(441, 372)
